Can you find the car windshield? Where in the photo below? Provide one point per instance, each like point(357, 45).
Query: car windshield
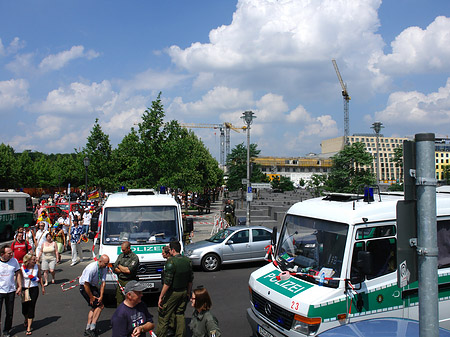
point(220, 236)
point(64, 207)
point(313, 247)
point(140, 225)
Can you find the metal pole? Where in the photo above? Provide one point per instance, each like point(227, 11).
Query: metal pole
point(85, 189)
point(427, 236)
point(247, 222)
point(377, 128)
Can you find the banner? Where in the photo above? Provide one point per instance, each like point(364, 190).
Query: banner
point(94, 195)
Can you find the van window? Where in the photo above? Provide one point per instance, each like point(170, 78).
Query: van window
point(443, 240)
point(381, 243)
point(11, 204)
point(2, 205)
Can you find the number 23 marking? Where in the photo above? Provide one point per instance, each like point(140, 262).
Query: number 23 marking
point(294, 305)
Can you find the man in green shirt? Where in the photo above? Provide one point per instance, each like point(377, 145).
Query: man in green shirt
point(126, 267)
point(177, 286)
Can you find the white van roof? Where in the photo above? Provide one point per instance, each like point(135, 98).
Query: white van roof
point(133, 198)
point(352, 210)
point(14, 195)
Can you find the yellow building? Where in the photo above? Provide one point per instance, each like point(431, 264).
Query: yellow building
point(388, 173)
point(295, 168)
point(442, 153)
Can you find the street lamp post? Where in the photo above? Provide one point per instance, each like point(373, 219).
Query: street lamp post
point(248, 117)
point(86, 162)
point(377, 126)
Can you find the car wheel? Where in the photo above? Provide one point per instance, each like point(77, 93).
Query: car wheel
point(210, 262)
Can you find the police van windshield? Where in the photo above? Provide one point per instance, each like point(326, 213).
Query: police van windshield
point(312, 247)
point(140, 225)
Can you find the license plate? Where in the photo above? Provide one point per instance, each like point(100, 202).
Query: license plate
point(147, 284)
point(263, 332)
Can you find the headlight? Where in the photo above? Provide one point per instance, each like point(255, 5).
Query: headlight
point(189, 252)
point(305, 325)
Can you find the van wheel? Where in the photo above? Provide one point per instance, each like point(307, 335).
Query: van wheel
point(210, 262)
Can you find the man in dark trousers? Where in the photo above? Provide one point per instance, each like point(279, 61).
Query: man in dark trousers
point(177, 286)
point(126, 267)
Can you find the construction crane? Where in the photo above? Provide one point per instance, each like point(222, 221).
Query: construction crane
point(346, 97)
point(224, 136)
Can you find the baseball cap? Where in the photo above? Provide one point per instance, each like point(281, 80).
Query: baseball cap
point(134, 286)
point(26, 225)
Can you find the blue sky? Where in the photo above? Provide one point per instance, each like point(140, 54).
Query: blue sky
point(65, 63)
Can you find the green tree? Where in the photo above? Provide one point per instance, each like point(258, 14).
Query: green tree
point(316, 185)
point(398, 160)
point(7, 164)
point(282, 184)
point(25, 170)
point(126, 162)
point(99, 151)
point(347, 173)
point(237, 167)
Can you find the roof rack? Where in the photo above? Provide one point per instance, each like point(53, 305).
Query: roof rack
point(333, 196)
point(141, 192)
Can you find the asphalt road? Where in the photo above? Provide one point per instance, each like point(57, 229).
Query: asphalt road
point(61, 313)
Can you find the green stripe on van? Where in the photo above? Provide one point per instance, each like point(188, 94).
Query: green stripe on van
point(289, 288)
point(145, 249)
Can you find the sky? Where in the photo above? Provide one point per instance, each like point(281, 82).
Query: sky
point(65, 63)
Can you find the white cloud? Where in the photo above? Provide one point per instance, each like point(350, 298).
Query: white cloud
point(419, 51)
point(58, 61)
point(152, 80)
point(22, 64)
point(12, 48)
point(13, 93)
point(416, 111)
point(78, 98)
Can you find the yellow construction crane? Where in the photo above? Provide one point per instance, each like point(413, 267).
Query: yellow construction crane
point(346, 97)
point(224, 135)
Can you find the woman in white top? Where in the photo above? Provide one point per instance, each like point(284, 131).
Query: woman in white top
point(50, 255)
point(30, 237)
point(31, 280)
point(40, 237)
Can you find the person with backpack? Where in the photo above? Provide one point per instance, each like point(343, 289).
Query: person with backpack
point(20, 246)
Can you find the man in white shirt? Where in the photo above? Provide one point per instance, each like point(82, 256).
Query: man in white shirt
point(87, 216)
point(9, 270)
point(40, 236)
point(92, 288)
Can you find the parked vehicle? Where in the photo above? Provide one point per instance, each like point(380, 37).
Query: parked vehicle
point(54, 212)
point(16, 209)
point(149, 221)
point(335, 263)
point(231, 245)
point(66, 208)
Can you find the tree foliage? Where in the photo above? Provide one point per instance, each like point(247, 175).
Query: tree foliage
point(154, 154)
point(237, 167)
point(282, 183)
point(316, 185)
point(347, 173)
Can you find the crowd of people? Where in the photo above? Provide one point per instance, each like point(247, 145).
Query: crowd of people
point(23, 272)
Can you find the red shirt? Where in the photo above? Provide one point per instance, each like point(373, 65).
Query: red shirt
point(20, 249)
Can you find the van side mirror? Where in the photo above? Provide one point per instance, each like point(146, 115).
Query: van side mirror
point(188, 225)
point(365, 262)
point(273, 237)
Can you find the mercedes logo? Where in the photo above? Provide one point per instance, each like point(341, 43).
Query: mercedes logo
point(142, 269)
point(268, 309)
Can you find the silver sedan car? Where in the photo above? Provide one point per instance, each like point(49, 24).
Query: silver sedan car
point(231, 245)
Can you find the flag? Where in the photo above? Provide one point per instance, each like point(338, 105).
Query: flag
point(93, 195)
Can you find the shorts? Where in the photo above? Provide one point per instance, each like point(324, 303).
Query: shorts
point(48, 264)
point(94, 291)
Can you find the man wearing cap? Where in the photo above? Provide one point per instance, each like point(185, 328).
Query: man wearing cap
point(44, 218)
point(92, 288)
point(87, 216)
point(131, 317)
point(125, 267)
point(40, 236)
point(75, 241)
point(20, 246)
point(177, 286)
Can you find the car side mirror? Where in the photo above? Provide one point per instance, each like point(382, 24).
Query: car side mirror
point(273, 237)
point(230, 242)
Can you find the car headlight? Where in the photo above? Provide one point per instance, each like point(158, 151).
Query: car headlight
point(189, 252)
point(305, 325)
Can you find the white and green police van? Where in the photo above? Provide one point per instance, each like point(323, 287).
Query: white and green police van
point(16, 210)
point(317, 279)
point(149, 221)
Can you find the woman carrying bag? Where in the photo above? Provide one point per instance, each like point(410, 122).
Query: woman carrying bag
point(203, 322)
point(30, 290)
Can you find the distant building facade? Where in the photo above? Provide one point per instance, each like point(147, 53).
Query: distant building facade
point(442, 155)
point(295, 168)
point(387, 170)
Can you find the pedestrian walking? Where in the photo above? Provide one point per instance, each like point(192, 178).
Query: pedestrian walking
point(175, 294)
point(60, 239)
point(75, 242)
point(30, 236)
point(20, 246)
point(40, 236)
point(48, 256)
point(132, 318)
point(125, 267)
point(10, 284)
point(87, 216)
point(92, 288)
point(31, 274)
point(203, 322)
